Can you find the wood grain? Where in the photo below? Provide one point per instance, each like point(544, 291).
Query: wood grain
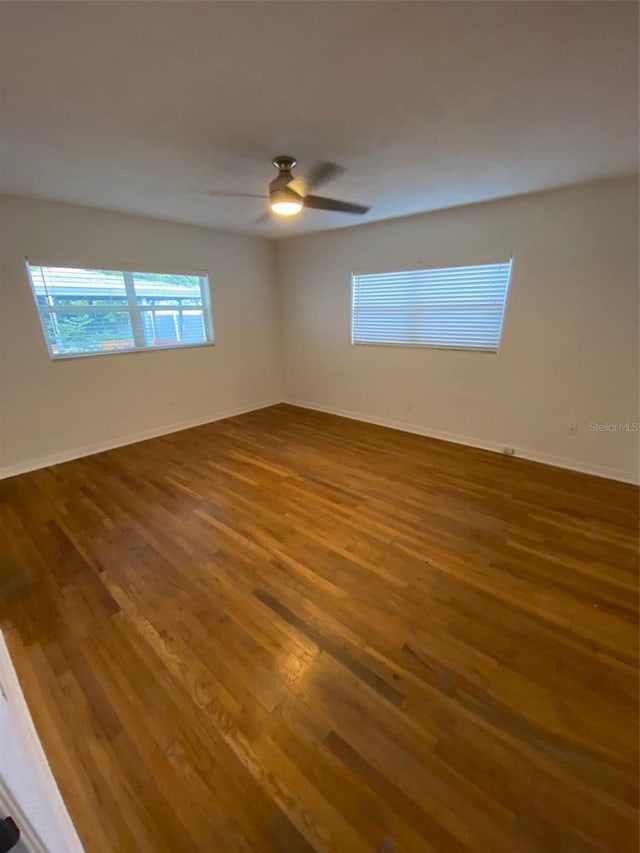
point(288, 631)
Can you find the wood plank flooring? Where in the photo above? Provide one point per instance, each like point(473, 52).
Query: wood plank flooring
point(288, 631)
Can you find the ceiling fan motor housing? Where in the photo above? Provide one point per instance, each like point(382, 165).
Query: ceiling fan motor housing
point(284, 193)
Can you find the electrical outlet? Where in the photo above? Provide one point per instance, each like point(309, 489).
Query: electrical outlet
point(573, 429)
point(509, 451)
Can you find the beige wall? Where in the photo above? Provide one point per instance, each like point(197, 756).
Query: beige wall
point(570, 347)
point(51, 410)
point(569, 351)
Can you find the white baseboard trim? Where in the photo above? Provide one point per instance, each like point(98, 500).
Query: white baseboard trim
point(469, 441)
point(57, 817)
point(90, 449)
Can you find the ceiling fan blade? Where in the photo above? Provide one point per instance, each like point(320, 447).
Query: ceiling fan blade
point(321, 173)
point(231, 194)
point(298, 185)
point(317, 202)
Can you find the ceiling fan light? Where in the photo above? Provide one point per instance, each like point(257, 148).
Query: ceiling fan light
point(286, 208)
point(285, 201)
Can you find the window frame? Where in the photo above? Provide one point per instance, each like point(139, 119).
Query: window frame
point(422, 266)
point(131, 307)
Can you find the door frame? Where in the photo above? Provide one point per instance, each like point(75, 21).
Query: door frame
point(11, 693)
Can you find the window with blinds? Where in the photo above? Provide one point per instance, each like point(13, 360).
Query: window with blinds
point(100, 311)
point(453, 307)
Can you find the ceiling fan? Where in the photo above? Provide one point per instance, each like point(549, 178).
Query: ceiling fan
point(288, 194)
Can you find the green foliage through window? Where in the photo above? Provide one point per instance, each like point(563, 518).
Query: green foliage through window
point(91, 311)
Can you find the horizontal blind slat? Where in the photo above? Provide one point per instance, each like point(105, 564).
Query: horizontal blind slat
point(456, 306)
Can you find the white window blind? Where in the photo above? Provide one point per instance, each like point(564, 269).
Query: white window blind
point(99, 311)
point(456, 307)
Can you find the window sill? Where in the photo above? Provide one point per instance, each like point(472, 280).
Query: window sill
point(131, 351)
point(490, 350)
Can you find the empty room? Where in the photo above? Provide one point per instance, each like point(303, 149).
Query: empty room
point(319, 426)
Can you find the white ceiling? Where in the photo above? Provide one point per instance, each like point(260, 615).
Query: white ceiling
point(139, 106)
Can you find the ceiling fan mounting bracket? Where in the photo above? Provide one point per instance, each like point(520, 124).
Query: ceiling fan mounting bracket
point(284, 163)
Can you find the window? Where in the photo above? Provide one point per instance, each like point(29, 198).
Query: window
point(456, 307)
point(91, 312)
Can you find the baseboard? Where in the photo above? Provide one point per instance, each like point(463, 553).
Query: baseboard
point(470, 441)
point(90, 449)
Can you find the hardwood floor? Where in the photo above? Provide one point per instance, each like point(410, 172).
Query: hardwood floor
point(289, 631)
